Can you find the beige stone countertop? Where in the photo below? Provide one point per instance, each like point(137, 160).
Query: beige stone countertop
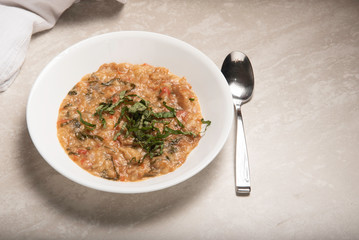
point(302, 129)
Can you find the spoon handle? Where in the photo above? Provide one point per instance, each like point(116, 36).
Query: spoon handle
point(243, 185)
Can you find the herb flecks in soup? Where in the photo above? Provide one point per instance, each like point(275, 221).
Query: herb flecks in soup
point(129, 122)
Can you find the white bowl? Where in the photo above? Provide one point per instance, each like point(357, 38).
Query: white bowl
point(65, 70)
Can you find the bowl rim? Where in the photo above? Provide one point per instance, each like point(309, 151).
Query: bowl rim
point(228, 121)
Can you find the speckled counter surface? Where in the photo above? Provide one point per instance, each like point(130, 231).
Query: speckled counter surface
point(302, 129)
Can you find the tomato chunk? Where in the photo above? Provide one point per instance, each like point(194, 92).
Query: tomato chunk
point(82, 151)
point(114, 99)
point(165, 91)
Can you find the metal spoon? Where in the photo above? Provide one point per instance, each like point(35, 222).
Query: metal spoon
point(237, 69)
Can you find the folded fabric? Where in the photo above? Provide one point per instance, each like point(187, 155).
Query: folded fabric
point(20, 19)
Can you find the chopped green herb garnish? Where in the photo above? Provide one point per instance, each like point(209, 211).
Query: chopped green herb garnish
point(116, 136)
point(109, 82)
point(164, 115)
point(137, 107)
point(92, 82)
point(208, 123)
point(82, 136)
point(72, 92)
point(179, 123)
point(138, 121)
point(168, 107)
point(171, 131)
point(123, 110)
point(67, 105)
point(114, 168)
point(110, 107)
point(72, 153)
point(94, 137)
point(90, 125)
point(191, 99)
point(122, 94)
point(76, 123)
point(173, 111)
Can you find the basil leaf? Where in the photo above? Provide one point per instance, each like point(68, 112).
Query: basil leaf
point(164, 115)
point(67, 105)
point(169, 108)
point(141, 123)
point(109, 83)
point(116, 136)
point(173, 111)
point(179, 123)
point(122, 94)
point(137, 107)
point(93, 126)
point(172, 131)
point(82, 136)
point(73, 92)
point(123, 110)
point(208, 123)
point(94, 137)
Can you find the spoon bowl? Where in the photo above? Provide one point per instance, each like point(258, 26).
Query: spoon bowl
point(237, 69)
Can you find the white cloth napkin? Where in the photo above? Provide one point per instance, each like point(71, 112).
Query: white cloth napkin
point(19, 19)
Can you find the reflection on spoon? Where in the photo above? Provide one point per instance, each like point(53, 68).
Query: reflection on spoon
point(237, 69)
